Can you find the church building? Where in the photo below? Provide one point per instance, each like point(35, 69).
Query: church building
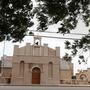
point(37, 64)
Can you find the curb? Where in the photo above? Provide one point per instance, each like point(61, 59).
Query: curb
point(65, 85)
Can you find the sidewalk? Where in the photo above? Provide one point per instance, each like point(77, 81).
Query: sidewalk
point(60, 85)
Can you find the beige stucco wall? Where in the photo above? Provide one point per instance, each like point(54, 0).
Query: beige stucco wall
point(7, 72)
point(36, 50)
point(5, 75)
point(66, 74)
point(36, 56)
point(36, 62)
point(88, 74)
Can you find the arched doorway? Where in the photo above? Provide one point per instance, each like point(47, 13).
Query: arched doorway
point(36, 75)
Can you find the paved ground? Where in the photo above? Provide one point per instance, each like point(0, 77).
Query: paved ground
point(42, 88)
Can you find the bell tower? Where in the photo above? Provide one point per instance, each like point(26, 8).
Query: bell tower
point(37, 40)
point(37, 46)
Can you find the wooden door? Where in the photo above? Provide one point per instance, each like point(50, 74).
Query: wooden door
point(36, 76)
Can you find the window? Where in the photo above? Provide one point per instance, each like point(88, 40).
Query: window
point(83, 77)
point(22, 68)
point(50, 69)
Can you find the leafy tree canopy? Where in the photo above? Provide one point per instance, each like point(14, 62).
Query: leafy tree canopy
point(69, 12)
point(16, 16)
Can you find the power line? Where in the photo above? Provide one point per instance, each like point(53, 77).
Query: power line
point(56, 37)
point(58, 33)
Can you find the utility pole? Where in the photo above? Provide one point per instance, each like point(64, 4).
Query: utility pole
point(3, 56)
point(89, 51)
point(88, 46)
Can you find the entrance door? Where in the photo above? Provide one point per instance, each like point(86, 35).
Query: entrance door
point(36, 75)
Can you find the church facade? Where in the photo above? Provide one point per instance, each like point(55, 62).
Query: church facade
point(37, 64)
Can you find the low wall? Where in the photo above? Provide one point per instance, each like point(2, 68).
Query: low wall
point(84, 82)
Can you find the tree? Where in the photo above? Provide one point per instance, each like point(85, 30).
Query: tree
point(15, 18)
point(69, 12)
point(16, 15)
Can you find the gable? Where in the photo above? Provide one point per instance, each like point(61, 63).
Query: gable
point(36, 50)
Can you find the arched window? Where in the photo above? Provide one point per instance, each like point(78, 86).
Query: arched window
point(50, 70)
point(22, 68)
point(83, 77)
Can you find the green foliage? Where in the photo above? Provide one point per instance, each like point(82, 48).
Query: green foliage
point(67, 11)
point(42, 22)
point(77, 45)
point(67, 57)
point(15, 17)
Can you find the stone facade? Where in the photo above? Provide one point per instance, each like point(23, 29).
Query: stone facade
point(35, 56)
point(37, 64)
